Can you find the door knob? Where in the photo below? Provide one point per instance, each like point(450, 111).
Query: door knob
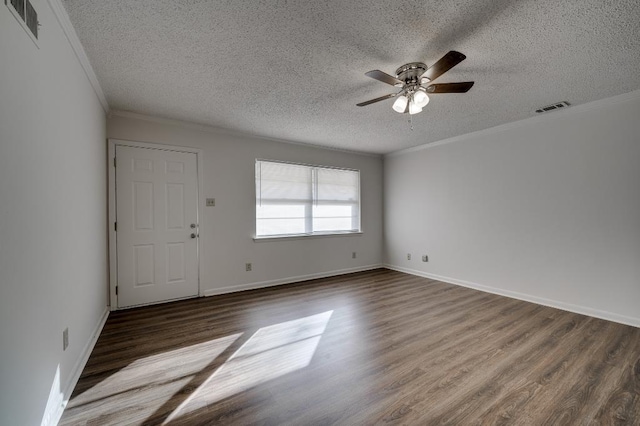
point(193, 235)
point(193, 226)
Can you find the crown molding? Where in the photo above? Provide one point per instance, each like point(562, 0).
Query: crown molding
point(65, 23)
point(574, 109)
point(228, 132)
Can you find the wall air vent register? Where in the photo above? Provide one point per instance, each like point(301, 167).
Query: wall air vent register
point(25, 13)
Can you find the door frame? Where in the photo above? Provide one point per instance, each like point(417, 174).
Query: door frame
point(113, 253)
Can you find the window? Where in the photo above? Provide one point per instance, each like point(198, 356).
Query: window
point(26, 15)
point(297, 199)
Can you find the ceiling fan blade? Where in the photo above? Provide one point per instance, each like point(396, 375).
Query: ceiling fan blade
point(384, 77)
point(445, 63)
point(381, 98)
point(450, 87)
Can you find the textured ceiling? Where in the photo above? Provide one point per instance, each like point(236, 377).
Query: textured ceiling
point(294, 70)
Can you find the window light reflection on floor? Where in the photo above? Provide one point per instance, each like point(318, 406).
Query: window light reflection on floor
point(270, 353)
point(154, 378)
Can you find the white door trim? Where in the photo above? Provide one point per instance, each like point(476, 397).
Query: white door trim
point(113, 257)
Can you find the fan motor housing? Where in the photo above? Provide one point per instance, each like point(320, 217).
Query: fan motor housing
point(411, 72)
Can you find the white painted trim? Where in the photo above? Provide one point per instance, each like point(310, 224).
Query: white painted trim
point(290, 237)
point(599, 104)
point(65, 23)
point(113, 253)
point(228, 132)
point(77, 369)
point(113, 257)
point(583, 310)
point(153, 145)
point(289, 280)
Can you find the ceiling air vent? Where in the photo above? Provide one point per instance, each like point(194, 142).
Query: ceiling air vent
point(553, 107)
point(24, 12)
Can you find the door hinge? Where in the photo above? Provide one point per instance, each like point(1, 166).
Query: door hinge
point(114, 161)
point(115, 226)
point(116, 290)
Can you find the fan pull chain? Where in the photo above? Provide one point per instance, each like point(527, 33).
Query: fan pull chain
point(410, 123)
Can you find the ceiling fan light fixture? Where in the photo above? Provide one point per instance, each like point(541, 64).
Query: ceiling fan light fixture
point(400, 105)
point(420, 98)
point(415, 80)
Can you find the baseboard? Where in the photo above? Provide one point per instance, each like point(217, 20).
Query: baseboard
point(288, 280)
point(583, 310)
point(77, 369)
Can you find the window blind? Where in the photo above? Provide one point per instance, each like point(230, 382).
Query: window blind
point(297, 199)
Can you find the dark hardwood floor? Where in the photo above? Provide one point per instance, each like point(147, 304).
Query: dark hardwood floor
point(375, 347)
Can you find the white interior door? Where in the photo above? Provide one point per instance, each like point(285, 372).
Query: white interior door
point(157, 228)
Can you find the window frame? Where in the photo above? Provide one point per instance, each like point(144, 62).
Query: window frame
point(309, 206)
point(23, 19)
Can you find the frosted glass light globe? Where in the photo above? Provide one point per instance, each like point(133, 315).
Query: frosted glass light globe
point(421, 99)
point(400, 104)
point(414, 108)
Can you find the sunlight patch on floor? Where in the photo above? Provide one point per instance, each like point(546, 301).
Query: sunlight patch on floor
point(146, 384)
point(270, 353)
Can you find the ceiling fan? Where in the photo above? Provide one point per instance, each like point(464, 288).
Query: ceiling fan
point(414, 80)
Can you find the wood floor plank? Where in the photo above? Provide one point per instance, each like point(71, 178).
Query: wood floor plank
point(376, 347)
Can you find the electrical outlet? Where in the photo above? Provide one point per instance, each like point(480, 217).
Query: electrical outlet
point(408, 256)
point(247, 267)
point(65, 339)
point(353, 255)
point(425, 258)
point(211, 202)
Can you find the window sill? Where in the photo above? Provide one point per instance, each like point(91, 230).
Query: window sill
point(304, 236)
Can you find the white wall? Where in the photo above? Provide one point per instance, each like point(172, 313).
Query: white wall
point(227, 229)
point(546, 209)
point(52, 217)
